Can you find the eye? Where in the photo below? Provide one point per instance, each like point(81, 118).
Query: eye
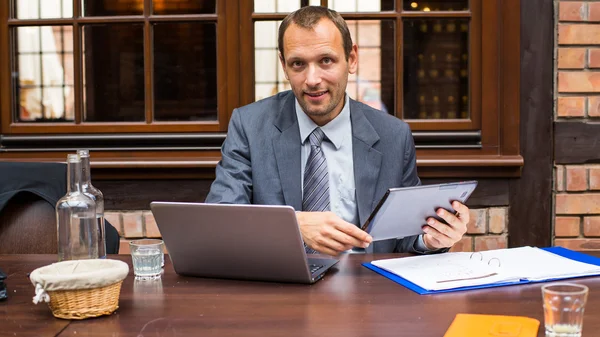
point(297, 64)
point(327, 60)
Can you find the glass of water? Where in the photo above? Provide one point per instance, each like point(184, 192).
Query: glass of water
point(147, 256)
point(564, 304)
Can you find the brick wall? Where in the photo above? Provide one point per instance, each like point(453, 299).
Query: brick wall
point(486, 230)
point(577, 187)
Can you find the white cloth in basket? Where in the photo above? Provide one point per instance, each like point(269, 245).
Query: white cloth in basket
point(76, 274)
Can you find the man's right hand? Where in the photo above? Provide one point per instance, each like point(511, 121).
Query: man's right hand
point(329, 234)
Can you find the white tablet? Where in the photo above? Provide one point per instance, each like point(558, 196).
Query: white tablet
point(403, 211)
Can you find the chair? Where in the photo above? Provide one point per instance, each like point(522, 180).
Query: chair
point(28, 195)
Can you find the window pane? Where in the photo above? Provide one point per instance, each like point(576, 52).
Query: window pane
point(184, 6)
point(44, 71)
point(371, 84)
point(44, 9)
point(109, 8)
point(268, 74)
point(276, 6)
point(361, 5)
point(113, 73)
point(436, 68)
point(436, 5)
point(185, 72)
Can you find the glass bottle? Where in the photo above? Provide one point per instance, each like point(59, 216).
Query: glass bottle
point(76, 218)
point(88, 189)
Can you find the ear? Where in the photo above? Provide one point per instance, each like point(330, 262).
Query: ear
point(353, 59)
point(282, 61)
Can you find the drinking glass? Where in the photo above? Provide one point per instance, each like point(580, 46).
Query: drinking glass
point(564, 304)
point(147, 256)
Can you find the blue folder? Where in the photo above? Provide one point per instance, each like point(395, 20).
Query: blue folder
point(576, 256)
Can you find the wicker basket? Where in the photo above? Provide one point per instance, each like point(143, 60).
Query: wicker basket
point(80, 289)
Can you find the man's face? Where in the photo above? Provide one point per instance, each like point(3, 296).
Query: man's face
point(317, 68)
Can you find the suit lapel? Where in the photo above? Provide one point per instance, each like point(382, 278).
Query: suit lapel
point(367, 160)
point(287, 152)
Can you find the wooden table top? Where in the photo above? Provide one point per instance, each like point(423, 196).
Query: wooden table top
point(350, 300)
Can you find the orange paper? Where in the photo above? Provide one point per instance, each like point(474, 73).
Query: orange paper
point(471, 325)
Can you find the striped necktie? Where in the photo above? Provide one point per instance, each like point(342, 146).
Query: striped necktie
point(315, 196)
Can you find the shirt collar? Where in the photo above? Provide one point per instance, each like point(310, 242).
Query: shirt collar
point(336, 130)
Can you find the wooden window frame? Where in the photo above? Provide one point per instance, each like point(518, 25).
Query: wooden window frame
point(226, 99)
point(196, 145)
point(494, 96)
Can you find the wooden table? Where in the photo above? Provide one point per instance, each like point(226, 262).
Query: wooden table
point(350, 301)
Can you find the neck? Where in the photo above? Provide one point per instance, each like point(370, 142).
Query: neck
point(85, 170)
point(73, 176)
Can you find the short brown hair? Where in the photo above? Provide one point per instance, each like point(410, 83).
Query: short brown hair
point(307, 17)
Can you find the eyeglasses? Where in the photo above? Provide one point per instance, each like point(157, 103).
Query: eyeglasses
point(3, 292)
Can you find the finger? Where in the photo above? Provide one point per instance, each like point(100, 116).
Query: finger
point(462, 210)
point(325, 250)
point(444, 229)
point(438, 239)
point(346, 240)
point(357, 235)
point(452, 220)
point(331, 245)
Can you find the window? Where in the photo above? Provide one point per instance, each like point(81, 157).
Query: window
point(439, 65)
point(152, 83)
point(130, 65)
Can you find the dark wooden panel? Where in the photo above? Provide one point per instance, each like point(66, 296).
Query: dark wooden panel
point(137, 194)
point(576, 143)
point(530, 212)
point(489, 192)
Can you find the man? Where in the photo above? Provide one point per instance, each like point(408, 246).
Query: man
point(315, 149)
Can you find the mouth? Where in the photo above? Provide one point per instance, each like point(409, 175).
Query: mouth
point(316, 94)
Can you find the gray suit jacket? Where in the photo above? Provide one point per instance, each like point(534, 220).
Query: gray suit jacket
point(261, 159)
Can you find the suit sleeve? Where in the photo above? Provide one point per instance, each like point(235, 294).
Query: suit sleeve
point(233, 181)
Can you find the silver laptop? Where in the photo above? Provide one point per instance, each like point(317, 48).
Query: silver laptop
point(248, 242)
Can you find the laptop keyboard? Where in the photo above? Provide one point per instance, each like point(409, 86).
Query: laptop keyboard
point(314, 267)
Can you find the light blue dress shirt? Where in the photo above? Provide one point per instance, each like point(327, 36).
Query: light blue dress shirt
point(340, 165)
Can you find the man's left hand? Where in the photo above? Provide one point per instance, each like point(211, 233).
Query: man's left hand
point(440, 235)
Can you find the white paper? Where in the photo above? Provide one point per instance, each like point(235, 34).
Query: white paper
point(455, 270)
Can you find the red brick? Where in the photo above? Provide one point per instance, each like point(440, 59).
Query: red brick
point(124, 247)
point(559, 181)
point(585, 203)
point(571, 11)
point(477, 221)
point(594, 11)
point(571, 58)
point(578, 244)
point(594, 58)
point(571, 107)
point(464, 245)
point(151, 227)
point(594, 106)
point(578, 34)
point(115, 219)
point(132, 225)
point(576, 178)
point(567, 226)
point(591, 226)
point(497, 220)
point(594, 178)
point(490, 242)
point(579, 81)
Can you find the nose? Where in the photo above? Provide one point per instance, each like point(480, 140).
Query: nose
point(313, 76)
